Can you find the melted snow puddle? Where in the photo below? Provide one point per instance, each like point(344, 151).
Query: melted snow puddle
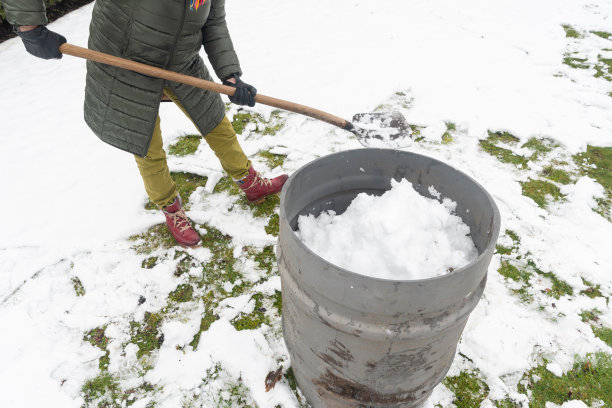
point(400, 235)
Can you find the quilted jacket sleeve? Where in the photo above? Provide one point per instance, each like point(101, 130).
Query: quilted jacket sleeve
point(217, 42)
point(25, 12)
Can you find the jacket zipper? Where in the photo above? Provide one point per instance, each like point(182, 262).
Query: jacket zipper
point(178, 34)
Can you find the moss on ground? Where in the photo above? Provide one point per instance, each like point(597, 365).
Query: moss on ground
point(590, 380)
point(185, 145)
point(146, 334)
point(571, 32)
point(540, 191)
point(469, 389)
point(79, 289)
point(596, 163)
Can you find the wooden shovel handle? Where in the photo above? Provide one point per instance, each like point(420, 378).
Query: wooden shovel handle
point(149, 70)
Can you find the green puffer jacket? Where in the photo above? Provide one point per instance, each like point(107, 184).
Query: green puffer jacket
point(121, 106)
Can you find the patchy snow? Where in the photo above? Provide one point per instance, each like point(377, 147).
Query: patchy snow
point(70, 202)
point(377, 237)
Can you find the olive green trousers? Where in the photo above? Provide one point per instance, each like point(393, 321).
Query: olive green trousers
point(154, 167)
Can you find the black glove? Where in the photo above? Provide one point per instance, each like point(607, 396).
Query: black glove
point(41, 42)
point(245, 93)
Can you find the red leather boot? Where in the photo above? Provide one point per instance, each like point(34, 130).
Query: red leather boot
point(179, 225)
point(257, 187)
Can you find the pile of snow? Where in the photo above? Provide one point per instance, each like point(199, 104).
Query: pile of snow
point(399, 235)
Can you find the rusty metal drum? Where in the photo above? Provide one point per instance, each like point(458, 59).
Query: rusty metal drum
point(359, 341)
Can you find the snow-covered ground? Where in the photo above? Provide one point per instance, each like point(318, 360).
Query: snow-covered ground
point(70, 202)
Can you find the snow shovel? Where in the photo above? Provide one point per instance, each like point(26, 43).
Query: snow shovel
point(390, 129)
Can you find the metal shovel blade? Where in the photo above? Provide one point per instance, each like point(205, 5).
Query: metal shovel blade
point(382, 129)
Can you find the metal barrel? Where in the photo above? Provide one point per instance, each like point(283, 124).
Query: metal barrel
point(358, 341)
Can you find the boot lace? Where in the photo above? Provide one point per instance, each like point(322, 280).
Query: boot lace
point(180, 220)
point(259, 181)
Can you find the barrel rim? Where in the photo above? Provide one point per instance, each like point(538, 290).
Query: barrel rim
point(488, 250)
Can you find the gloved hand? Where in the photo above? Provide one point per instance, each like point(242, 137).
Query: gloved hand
point(245, 93)
point(41, 42)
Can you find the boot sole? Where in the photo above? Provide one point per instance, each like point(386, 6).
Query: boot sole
point(262, 199)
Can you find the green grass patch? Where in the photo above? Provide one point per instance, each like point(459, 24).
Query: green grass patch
point(604, 333)
point(603, 68)
point(500, 249)
point(185, 145)
point(154, 238)
point(589, 316)
point(265, 127)
point(540, 191)
point(273, 225)
point(186, 263)
point(97, 338)
point(509, 271)
point(592, 291)
point(590, 380)
point(146, 334)
point(575, 62)
point(490, 145)
point(208, 319)
point(447, 136)
point(272, 160)
point(602, 34)
point(183, 293)
point(557, 175)
point(186, 184)
point(149, 263)
point(79, 289)
point(254, 319)
point(571, 32)
point(559, 287)
point(596, 163)
point(266, 259)
point(102, 391)
point(540, 147)
point(469, 389)
point(278, 301)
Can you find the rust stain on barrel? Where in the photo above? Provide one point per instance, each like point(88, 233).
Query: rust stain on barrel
point(362, 394)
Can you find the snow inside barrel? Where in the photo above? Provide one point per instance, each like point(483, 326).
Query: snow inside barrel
point(359, 339)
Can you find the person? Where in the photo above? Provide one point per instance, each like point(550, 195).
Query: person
point(122, 107)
